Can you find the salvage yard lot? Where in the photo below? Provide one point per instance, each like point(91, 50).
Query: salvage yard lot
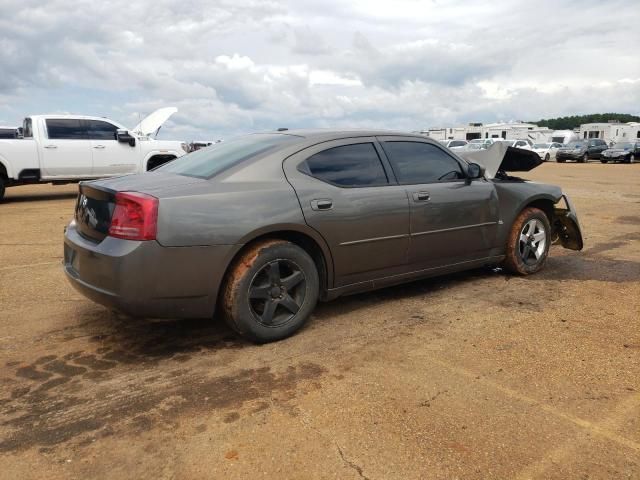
point(474, 375)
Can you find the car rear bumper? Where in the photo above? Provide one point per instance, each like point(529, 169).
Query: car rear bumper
point(145, 279)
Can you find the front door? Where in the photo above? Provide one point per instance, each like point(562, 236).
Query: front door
point(452, 220)
point(346, 195)
point(66, 153)
point(110, 157)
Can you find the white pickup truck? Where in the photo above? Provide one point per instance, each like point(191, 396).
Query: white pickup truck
point(69, 148)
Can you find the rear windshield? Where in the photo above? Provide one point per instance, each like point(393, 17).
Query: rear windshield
point(208, 162)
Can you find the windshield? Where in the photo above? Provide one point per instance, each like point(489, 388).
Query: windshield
point(575, 145)
point(541, 145)
point(208, 162)
point(623, 145)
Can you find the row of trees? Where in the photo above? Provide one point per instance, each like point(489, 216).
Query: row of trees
point(574, 121)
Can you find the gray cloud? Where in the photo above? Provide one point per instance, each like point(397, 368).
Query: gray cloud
point(237, 66)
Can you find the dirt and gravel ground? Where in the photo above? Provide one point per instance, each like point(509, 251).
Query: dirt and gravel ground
point(475, 375)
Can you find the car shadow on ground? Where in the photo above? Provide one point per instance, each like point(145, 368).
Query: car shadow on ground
point(116, 338)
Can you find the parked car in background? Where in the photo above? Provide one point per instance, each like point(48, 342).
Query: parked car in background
point(546, 151)
point(582, 150)
point(267, 224)
point(8, 132)
point(626, 152)
point(69, 148)
point(454, 144)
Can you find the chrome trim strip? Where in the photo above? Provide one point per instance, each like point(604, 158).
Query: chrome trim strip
point(376, 239)
point(453, 229)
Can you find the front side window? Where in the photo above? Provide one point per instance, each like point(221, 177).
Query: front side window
point(347, 166)
point(66, 129)
point(416, 162)
point(99, 130)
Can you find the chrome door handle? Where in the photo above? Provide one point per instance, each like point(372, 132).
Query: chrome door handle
point(421, 197)
point(99, 146)
point(50, 146)
point(322, 204)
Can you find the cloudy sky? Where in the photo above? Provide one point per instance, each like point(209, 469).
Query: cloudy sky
point(236, 66)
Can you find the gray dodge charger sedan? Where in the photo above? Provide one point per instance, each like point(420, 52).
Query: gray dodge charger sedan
point(261, 227)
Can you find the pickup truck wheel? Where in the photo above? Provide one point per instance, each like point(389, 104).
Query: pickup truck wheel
point(270, 291)
point(2, 188)
point(528, 242)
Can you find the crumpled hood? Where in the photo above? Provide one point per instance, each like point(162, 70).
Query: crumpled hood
point(154, 121)
point(502, 157)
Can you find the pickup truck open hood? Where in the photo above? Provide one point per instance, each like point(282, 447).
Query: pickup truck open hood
point(154, 121)
point(500, 157)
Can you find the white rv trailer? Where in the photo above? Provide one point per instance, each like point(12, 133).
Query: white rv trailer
point(564, 136)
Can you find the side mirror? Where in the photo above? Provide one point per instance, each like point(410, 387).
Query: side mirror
point(125, 137)
point(474, 171)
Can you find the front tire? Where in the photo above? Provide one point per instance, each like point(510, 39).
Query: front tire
point(528, 242)
point(270, 291)
point(560, 160)
point(584, 159)
point(547, 157)
point(632, 159)
point(603, 160)
point(2, 188)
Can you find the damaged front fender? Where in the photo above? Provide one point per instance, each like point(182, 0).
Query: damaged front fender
point(566, 225)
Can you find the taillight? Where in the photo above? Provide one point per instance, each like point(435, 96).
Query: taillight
point(135, 216)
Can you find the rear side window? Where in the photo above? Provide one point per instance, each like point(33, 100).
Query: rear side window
point(347, 166)
point(208, 162)
point(415, 162)
point(66, 129)
point(99, 130)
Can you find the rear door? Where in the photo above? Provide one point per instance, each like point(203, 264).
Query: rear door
point(347, 195)
point(66, 151)
point(452, 220)
point(110, 157)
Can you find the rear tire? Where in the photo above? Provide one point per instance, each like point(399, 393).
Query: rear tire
point(528, 242)
point(270, 291)
point(547, 157)
point(2, 188)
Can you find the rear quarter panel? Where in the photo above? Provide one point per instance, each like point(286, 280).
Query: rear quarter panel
point(231, 208)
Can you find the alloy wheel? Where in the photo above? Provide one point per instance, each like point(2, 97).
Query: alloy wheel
point(277, 292)
point(533, 241)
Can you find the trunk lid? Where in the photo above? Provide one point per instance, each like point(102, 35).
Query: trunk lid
point(96, 199)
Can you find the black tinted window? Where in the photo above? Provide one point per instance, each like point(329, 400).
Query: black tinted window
point(457, 144)
point(415, 162)
point(99, 130)
point(8, 133)
point(66, 129)
point(347, 166)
